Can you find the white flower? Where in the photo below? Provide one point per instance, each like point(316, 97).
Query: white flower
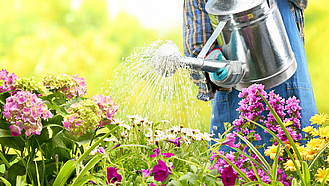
point(150, 142)
point(187, 131)
point(196, 137)
point(117, 121)
point(186, 140)
point(206, 136)
point(174, 129)
point(128, 127)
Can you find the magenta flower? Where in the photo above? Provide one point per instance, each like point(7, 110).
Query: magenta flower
point(15, 130)
point(230, 140)
point(156, 153)
point(175, 141)
point(228, 176)
point(161, 171)
point(146, 173)
point(167, 155)
point(113, 176)
point(152, 184)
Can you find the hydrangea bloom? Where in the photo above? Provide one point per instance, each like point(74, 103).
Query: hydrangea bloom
point(7, 81)
point(24, 111)
point(83, 116)
point(30, 84)
point(108, 108)
point(71, 86)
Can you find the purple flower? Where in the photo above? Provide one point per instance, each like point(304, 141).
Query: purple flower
point(116, 146)
point(101, 150)
point(113, 176)
point(15, 130)
point(228, 176)
point(161, 171)
point(146, 173)
point(156, 153)
point(175, 141)
point(230, 140)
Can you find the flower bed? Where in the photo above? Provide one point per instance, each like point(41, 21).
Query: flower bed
point(52, 135)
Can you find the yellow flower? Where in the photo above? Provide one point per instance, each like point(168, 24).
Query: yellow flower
point(271, 151)
point(289, 165)
point(316, 144)
point(315, 132)
point(286, 124)
point(309, 153)
point(324, 132)
point(308, 129)
point(320, 175)
point(319, 119)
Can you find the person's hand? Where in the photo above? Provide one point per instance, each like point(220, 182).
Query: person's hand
point(230, 75)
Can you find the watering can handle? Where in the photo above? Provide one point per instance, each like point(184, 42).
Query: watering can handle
point(211, 40)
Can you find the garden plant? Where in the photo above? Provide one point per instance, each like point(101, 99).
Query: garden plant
point(51, 133)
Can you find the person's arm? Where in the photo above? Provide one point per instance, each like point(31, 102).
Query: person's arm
point(196, 31)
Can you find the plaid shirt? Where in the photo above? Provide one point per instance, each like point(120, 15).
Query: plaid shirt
point(197, 29)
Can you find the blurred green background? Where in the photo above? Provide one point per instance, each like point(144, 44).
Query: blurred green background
point(37, 37)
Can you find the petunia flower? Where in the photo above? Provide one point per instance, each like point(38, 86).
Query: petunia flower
point(113, 176)
point(161, 171)
point(167, 155)
point(230, 140)
point(228, 176)
point(175, 141)
point(146, 173)
point(156, 153)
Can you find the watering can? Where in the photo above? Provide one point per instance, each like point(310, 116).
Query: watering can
point(252, 32)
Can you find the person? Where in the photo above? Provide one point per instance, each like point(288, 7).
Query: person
point(224, 99)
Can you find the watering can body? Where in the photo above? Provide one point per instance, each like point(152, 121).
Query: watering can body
point(254, 33)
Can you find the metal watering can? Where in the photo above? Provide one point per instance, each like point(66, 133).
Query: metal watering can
point(252, 32)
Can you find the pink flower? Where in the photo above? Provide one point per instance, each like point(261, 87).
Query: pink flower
point(146, 173)
point(228, 176)
point(8, 81)
point(161, 171)
point(113, 176)
point(167, 155)
point(108, 108)
point(15, 130)
point(156, 153)
point(24, 110)
point(230, 140)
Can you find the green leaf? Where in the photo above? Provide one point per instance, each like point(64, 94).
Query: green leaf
point(4, 160)
point(306, 173)
point(5, 133)
point(191, 178)
point(81, 140)
point(89, 165)
point(65, 173)
point(258, 154)
point(253, 160)
point(174, 183)
point(6, 182)
point(275, 163)
point(12, 142)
